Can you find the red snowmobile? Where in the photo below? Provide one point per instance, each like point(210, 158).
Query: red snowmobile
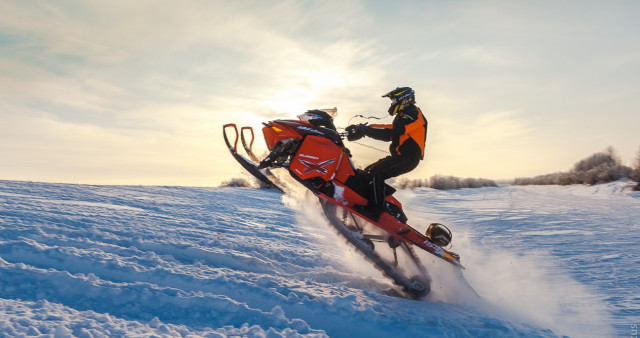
point(311, 149)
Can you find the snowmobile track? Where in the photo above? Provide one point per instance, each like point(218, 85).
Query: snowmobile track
point(414, 287)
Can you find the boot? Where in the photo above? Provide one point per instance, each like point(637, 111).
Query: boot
point(376, 202)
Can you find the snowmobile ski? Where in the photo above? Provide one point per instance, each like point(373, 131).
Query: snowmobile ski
point(248, 148)
point(251, 167)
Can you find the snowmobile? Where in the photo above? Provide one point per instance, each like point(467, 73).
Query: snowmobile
point(312, 151)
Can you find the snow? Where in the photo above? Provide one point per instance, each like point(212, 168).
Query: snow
point(104, 261)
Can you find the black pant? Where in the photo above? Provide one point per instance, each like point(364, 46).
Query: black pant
point(383, 169)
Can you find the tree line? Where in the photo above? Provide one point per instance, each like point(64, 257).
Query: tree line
point(439, 182)
point(601, 167)
point(442, 182)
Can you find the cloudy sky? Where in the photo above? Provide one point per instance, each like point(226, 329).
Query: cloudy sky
point(136, 92)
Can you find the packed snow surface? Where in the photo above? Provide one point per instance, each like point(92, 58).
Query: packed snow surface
point(95, 261)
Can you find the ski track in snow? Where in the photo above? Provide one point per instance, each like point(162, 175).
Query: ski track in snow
point(95, 261)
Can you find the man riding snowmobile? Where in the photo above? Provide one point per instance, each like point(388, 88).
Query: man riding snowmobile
point(407, 133)
point(312, 151)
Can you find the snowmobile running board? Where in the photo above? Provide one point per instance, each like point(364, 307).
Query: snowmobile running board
point(250, 166)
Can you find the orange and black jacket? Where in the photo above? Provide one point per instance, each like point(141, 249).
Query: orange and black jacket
point(407, 133)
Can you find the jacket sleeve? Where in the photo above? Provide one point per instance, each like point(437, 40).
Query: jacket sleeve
point(382, 132)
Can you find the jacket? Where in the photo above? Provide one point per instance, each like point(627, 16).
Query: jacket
point(407, 133)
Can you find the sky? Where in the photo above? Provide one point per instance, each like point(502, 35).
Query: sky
point(136, 92)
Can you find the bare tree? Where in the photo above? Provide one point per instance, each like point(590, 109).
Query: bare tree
point(636, 171)
point(598, 168)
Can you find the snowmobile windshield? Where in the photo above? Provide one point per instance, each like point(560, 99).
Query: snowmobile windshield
point(319, 117)
point(318, 114)
point(307, 117)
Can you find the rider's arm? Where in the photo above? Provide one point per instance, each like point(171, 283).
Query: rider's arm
point(382, 132)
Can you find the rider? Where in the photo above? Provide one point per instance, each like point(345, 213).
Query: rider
point(407, 133)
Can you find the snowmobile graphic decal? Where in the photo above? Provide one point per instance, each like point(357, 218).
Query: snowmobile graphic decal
point(436, 249)
point(319, 167)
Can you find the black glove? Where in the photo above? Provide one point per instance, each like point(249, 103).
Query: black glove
point(355, 131)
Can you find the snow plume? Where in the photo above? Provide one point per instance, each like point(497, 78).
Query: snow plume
point(531, 288)
point(447, 283)
point(516, 287)
point(521, 280)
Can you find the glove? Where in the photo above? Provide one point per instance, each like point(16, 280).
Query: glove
point(355, 131)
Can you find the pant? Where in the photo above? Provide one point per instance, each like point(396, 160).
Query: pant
point(384, 169)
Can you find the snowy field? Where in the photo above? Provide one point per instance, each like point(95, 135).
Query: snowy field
point(95, 261)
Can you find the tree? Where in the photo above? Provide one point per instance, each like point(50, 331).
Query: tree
point(636, 171)
point(598, 168)
point(607, 158)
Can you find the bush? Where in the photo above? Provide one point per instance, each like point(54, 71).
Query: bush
point(598, 168)
point(405, 183)
point(236, 183)
point(450, 182)
point(444, 183)
point(243, 183)
point(607, 158)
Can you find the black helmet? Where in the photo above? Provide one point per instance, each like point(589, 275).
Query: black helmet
point(400, 97)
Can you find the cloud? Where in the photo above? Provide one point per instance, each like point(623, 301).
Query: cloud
point(101, 89)
point(178, 68)
point(484, 55)
point(135, 53)
point(487, 131)
point(40, 148)
point(488, 145)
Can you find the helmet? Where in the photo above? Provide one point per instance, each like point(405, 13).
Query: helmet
point(400, 98)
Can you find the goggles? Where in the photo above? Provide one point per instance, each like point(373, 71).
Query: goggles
point(398, 99)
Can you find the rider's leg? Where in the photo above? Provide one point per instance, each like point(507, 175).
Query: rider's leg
point(380, 171)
